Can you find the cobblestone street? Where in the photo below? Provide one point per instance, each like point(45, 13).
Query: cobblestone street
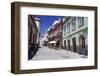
point(45, 53)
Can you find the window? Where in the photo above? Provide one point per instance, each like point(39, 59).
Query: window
point(81, 21)
point(64, 29)
point(73, 24)
point(73, 21)
point(68, 27)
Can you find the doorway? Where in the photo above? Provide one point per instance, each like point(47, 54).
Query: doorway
point(82, 41)
point(74, 44)
point(68, 44)
point(58, 43)
point(64, 44)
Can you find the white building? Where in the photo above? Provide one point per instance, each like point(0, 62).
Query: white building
point(75, 34)
point(46, 38)
point(37, 21)
point(41, 41)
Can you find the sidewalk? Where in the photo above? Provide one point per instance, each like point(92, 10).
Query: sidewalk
point(46, 53)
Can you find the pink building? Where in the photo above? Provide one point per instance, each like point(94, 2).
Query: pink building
point(55, 33)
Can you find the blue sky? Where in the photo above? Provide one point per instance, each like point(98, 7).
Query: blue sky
point(46, 22)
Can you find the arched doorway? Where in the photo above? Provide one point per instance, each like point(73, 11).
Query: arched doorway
point(82, 41)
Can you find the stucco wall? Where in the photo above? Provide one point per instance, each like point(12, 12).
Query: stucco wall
point(82, 30)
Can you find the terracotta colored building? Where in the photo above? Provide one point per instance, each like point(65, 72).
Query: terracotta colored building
point(55, 34)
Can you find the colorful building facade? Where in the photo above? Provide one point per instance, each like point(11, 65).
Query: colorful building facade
point(55, 34)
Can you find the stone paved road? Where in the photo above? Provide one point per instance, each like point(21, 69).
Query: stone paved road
point(46, 53)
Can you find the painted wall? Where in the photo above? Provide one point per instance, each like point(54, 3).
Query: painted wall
point(78, 31)
point(74, 27)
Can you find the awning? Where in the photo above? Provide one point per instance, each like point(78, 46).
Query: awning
point(52, 42)
point(57, 39)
